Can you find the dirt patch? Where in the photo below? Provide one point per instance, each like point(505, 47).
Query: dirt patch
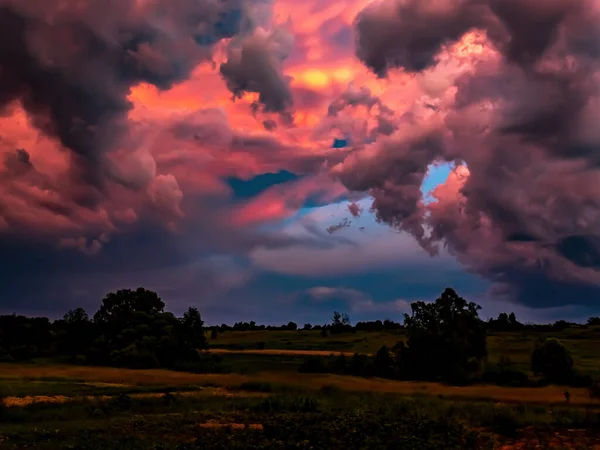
point(565, 439)
point(29, 400)
point(278, 352)
point(233, 426)
point(219, 392)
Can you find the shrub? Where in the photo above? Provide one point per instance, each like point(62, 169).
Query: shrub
point(313, 365)
point(329, 389)
point(504, 374)
point(553, 360)
point(169, 398)
point(594, 390)
point(121, 401)
point(256, 386)
point(505, 422)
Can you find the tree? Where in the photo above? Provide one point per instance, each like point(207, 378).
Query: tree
point(192, 329)
point(552, 359)
point(291, 326)
point(346, 320)
point(593, 321)
point(120, 306)
point(307, 327)
point(77, 315)
point(75, 333)
point(336, 319)
point(340, 323)
point(446, 338)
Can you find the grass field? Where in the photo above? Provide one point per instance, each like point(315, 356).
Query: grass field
point(68, 381)
point(57, 406)
point(264, 403)
point(583, 343)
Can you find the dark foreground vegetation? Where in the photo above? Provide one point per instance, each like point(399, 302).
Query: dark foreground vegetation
point(285, 418)
point(89, 399)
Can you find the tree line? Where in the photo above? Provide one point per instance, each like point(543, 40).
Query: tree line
point(447, 341)
point(130, 329)
point(444, 340)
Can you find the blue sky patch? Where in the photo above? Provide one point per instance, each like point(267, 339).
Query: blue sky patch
point(245, 189)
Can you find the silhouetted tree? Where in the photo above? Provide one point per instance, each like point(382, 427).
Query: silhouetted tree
point(119, 307)
point(77, 315)
point(593, 321)
point(446, 338)
point(192, 330)
point(75, 334)
point(336, 319)
point(340, 323)
point(291, 326)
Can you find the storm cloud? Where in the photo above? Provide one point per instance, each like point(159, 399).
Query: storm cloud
point(520, 208)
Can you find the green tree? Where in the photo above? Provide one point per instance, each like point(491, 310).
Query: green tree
point(121, 306)
point(192, 329)
point(446, 338)
point(552, 359)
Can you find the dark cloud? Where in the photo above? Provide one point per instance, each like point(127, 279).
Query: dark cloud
point(269, 124)
point(355, 209)
point(345, 223)
point(410, 33)
point(523, 214)
point(256, 66)
point(72, 65)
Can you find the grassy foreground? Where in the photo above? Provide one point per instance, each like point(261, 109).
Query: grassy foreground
point(60, 406)
point(264, 403)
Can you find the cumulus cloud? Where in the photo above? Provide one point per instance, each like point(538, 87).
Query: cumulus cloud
point(69, 72)
point(519, 208)
point(256, 65)
point(358, 302)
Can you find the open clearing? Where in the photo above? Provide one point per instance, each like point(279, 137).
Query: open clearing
point(314, 382)
point(279, 352)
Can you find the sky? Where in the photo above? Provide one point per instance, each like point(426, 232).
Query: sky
point(275, 160)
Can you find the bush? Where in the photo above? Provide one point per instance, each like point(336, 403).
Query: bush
point(256, 386)
point(553, 360)
point(504, 374)
point(330, 389)
point(594, 390)
point(313, 365)
point(169, 398)
point(505, 422)
point(121, 401)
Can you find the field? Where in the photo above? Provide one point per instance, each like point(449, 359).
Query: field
point(583, 343)
point(264, 403)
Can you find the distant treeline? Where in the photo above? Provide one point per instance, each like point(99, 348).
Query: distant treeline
point(444, 340)
point(504, 322)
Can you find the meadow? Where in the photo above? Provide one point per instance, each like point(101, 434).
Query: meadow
point(262, 402)
point(292, 346)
